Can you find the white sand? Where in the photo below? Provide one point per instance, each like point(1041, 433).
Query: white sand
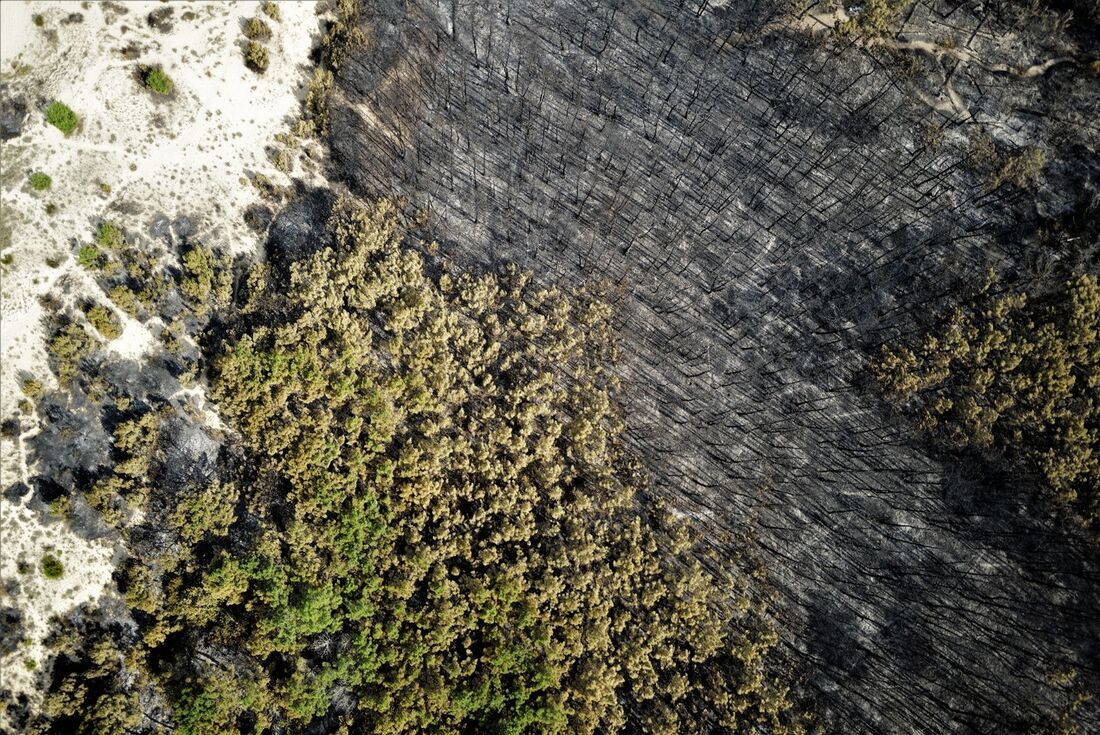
point(181, 156)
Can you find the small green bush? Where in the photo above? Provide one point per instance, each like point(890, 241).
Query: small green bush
point(52, 567)
point(1022, 169)
point(125, 299)
point(104, 320)
point(876, 19)
point(62, 117)
point(40, 181)
point(71, 345)
point(271, 10)
point(89, 257)
point(32, 388)
point(256, 30)
point(255, 57)
point(109, 236)
point(157, 81)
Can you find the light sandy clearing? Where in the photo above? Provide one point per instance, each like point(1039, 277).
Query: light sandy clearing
point(188, 155)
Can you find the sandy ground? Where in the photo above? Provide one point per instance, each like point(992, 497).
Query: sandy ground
point(190, 154)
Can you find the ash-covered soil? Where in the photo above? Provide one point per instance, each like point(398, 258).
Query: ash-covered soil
point(774, 203)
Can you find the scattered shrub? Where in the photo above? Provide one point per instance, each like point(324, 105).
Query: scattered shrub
point(68, 348)
point(126, 300)
point(1022, 169)
point(62, 117)
point(157, 81)
point(877, 18)
point(207, 280)
point(89, 257)
point(257, 30)
point(7, 259)
point(255, 57)
point(52, 567)
point(32, 388)
point(105, 187)
point(271, 10)
point(109, 236)
point(104, 320)
point(40, 181)
point(51, 209)
point(282, 159)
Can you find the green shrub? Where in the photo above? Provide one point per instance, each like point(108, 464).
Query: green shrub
point(89, 257)
point(52, 567)
point(271, 10)
point(255, 57)
point(1022, 169)
point(62, 117)
point(877, 18)
point(157, 81)
point(68, 348)
point(32, 388)
point(109, 236)
point(125, 299)
point(104, 320)
point(207, 281)
point(40, 181)
point(257, 30)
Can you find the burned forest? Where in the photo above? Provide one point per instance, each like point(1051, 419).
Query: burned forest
point(622, 366)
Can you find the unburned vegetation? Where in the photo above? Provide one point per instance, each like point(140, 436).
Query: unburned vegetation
point(1018, 376)
point(430, 523)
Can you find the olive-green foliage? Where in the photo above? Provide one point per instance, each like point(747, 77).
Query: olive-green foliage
point(257, 30)
point(52, 567)
point(62, 117)
point(464, 515)
point(89, 257)
point(124, 299)
point(439, 526)
point(207, 512)
point(104, 320)
point(32, 388)
point(256, 57)
point(1022, 168)
point(85, 698)
point(877, 18)
point(1019, 376)
point(109, 236)
point(40, 181)
point(271, 10)
point(157, 81)
point(208, 280)
point(68, 348)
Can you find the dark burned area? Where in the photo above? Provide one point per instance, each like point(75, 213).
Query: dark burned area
point(766, 207)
